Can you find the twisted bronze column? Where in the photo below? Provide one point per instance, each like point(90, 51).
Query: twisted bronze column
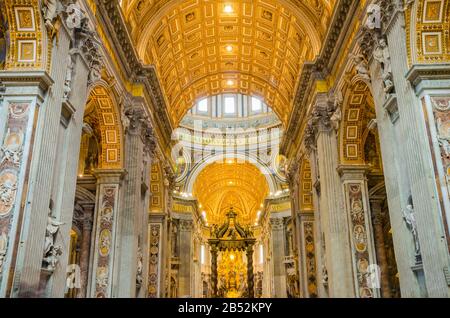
point(250, 279)
point(214, 270)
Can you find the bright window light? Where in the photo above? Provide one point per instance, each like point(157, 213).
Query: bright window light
point(202, 254)
point(230, 107)
point(261, 254)
point(256, 104)
point(202, 105)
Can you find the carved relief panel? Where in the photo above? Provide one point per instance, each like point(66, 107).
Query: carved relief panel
point(14, 148)
point(104, 241)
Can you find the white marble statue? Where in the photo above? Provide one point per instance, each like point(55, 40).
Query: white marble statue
point(50, 234)
point(336, 118)
point(124, 119)
point(74, 16)
point(49, 11)
point(52, 258)
point(373, 17)
point(140, 267)
point(410, 220)
point(361, 66)
point(382, 56)
point(68, 79)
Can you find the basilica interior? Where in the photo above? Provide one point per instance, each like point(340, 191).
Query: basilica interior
point(224, 148)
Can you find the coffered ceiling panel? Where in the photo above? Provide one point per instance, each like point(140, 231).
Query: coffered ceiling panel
point(202, 48)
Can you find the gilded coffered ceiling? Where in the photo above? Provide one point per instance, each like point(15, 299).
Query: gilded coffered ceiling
point(223, 185)
point(203, 48)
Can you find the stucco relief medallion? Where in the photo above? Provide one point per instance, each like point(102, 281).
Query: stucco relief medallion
point(441, 103)
point(102, 277)
point(360, 238)
point(154, 250)
point(109, 192)
point(365, 292)
point(152, 290)
point(106, 214)
point(105, 242)
point(363, 265)
point(357, 211)
point(8, 190)
point(18, 110)
point(12, 148)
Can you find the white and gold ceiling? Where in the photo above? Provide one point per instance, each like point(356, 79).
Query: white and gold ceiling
point(240, 185)
point(207, 47)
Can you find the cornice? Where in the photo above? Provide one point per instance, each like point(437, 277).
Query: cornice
point(319, 69)
point(32, 78)
point(422, 72)
point(110, 13)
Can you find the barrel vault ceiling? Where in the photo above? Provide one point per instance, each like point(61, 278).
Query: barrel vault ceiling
point(207, 47)
point(222, 185)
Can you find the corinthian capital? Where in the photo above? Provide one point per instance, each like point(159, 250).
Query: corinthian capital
point(136, 117)
point(322, 113)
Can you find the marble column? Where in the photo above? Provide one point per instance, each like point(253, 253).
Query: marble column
point(278, 247)
point(319, 240)
point(415, 190)
point(131, 212)
point(333, 218)
point(307, 251)
point(186, 270)
point(378, 232)
point(366, 274)
point(21, 105)
point(85, 248)
point(105, 239)
point(53, 133)
point(155, 246)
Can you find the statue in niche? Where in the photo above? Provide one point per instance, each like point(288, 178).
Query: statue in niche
point(91, 159)
point(173, 288)
point(370, 152)
point(382, 56)
point(51, 252)
point(410, 220)
point(293, 287)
